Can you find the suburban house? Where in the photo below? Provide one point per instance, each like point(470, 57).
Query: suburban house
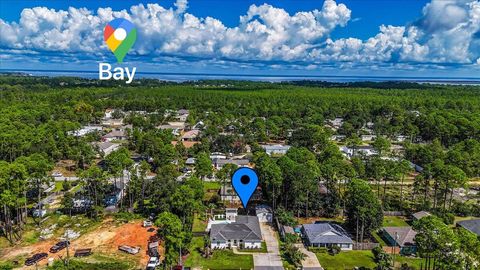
point(472, 225)
point(338, 138)
point(217, 155)
point(182, 115)
point(115, 135)
point(176, 127)
point(112, 122)
point(336, 123)
point(264, 213)
point(326, 234)
point(190, 135)
point(275, 149)
point(190, 161)
point(106, 148)
point(402, 237)
point(218, 163)
point(359, 150)
point(368, 138)
point(84, 131)
point(420, 215)
point(244, 232)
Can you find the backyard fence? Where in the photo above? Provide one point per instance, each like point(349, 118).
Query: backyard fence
point(393, 213)
point(365, 246)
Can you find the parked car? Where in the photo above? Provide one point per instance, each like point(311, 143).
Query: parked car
point(83, 252)
point(39, 213)
point(147, 223)
point(35, 258)
point(129, 249)
point(59, 246)
point(57, 174)
point(153, 263)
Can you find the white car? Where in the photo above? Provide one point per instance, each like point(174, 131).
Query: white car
point(57, 174)
point(153, 263)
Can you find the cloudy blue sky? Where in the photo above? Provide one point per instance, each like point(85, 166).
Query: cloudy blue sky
point(439, 38)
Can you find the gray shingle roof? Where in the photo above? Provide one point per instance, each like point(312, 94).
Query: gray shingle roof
point(326, 233)
point(421, 214)
point(406, 235)
point(471, 225)
point(244, 228)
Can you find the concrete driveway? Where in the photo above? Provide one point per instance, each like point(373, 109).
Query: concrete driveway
point(270, 260)
point(311, 261)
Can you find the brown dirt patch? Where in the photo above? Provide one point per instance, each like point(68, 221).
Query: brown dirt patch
point(104, 239)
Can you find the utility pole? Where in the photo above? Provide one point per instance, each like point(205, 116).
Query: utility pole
point(393, 249)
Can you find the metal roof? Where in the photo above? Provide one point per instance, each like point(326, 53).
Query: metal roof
point(326, 233)
point(471, 225)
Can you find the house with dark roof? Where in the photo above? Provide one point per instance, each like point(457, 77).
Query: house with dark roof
point(116, 134)
point(402, 237)
point(244, 232)
point(326, 234)
point(472, 225)
point(420, 215)
point(218, 163)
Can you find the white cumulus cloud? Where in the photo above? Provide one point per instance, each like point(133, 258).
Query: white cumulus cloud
point(447, 33)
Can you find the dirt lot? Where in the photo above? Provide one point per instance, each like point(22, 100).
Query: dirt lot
point(105, 239)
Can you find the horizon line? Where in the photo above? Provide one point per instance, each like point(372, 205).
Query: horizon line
point(439, 78)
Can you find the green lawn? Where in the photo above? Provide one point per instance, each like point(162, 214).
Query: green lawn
point(58, 186)
point(346, 260)
point(356, 258)
point(379, 239)
point(263, 249)
point(211, 185)
point(394, 222)
point(198, 224)
point(221, 259)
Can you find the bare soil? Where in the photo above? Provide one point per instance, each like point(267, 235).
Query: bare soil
point(104, 239)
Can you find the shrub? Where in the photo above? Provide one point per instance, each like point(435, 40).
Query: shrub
point(334, 250)
point(447, 218)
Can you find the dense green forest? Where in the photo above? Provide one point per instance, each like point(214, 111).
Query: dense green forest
point(441, 124)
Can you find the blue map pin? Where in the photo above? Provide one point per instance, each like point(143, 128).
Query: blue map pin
point(245, 182)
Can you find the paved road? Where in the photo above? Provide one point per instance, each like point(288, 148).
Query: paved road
point(311, 261)
point(270, 260)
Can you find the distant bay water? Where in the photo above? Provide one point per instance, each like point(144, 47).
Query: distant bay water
point(182, 77)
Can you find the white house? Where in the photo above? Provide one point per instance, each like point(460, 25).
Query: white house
point(182, 115)
point(107, 147)
point(244, 232)
point(115, 135)
point(336, 123)
point(276, 149)
point(217, 155)
point(364, 150)
point(368, 138)
point(176, 127)
point(85, 130)
point(326, 235)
